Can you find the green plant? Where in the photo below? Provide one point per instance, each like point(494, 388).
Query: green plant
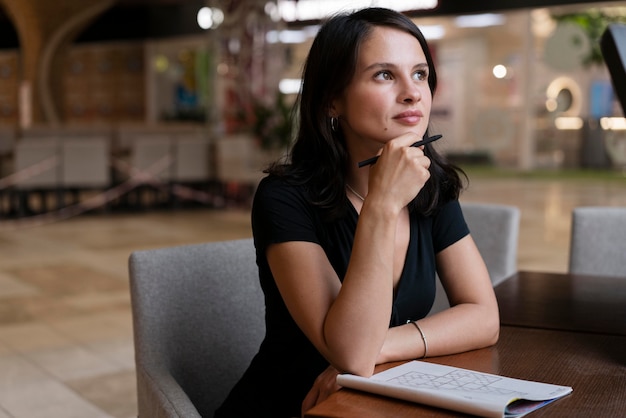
point(593, 22)
point(273, 124)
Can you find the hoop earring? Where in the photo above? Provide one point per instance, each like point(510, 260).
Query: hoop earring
point(334, 124)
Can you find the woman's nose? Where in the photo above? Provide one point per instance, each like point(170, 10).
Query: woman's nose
point(410, 92)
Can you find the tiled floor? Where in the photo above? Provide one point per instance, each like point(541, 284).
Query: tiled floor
point(65, 326)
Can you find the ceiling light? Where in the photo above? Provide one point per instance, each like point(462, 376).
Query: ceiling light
point(499, 71)
point(289, 85)
point(210, 17)
point(479, 21)
point(290, 10)
point(432, 31)
point(613, 124)
point(568, 123)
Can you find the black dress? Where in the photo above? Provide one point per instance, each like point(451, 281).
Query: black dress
point(286, 365)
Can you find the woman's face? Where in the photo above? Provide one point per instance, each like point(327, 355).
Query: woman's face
point(388, 95)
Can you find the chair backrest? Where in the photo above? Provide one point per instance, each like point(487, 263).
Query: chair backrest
point(41, 155)
point(236, 159)
point(598, 241)
point(192, 154)
point(85, 162)
point(148, 151)
point(198, 317)
point(495, 229)
point(7, 140)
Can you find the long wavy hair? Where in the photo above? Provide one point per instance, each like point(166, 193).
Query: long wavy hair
point(318, 158)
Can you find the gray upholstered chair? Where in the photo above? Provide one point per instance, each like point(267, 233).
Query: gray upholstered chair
point(598, 241)
point(198, 319)
point(495, 229)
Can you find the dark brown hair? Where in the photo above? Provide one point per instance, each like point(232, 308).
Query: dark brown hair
point(318, 157)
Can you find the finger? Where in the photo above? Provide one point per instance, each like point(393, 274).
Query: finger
point(414, 156)
point(408, 139)
point(423, 161)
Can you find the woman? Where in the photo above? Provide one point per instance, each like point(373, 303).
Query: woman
point(347, 256)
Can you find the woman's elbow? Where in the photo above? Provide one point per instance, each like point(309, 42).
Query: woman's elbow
point(494, 335)
point(350, 355)
point(361, 370)
point(354, 365)
point(492, 328)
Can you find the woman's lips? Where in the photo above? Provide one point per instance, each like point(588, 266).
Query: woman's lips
point(410, 117)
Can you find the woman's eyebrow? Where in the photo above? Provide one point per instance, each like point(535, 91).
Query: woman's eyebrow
point(378, 65)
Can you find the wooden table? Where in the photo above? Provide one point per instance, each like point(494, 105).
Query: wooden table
point(536, 343)
point(594, 304)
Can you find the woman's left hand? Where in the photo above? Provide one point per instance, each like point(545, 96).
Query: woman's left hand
point(325, 384)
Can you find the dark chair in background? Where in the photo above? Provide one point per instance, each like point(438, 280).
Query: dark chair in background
point(613, 46)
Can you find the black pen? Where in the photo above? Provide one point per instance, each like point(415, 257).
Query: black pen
point(428, 140)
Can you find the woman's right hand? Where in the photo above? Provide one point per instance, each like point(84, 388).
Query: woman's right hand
point(400, 172)
point(324, 386)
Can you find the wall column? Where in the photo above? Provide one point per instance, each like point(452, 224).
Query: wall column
point(45, 29)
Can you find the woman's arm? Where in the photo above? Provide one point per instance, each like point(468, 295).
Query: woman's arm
point(348, 322)
point(473, 320)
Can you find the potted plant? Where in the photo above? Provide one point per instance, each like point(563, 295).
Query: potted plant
point(273, 124)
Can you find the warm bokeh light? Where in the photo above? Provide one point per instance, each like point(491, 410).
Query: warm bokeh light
point(161, 63)
point(291, 11)
point(499, 71)
point(210, 17)
point(613, 124)
point(568, 123)
point(289, 85)
point(479, 20)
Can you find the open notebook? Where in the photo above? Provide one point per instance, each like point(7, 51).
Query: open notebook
point(457, 389)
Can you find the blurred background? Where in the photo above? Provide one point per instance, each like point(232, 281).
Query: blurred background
point(136, 124)
point(196, 93)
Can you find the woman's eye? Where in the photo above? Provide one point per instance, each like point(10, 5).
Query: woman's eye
point(420, 75)
point(382, 75)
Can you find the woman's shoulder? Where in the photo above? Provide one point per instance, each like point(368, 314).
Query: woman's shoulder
point(450, 206)
point(279, 184)
point(281, 211)
point(448, 211)
point(274, 189)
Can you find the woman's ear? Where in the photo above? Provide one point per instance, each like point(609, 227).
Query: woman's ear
point(335, 109)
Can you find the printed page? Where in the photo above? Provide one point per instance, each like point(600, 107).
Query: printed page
point(457, 389)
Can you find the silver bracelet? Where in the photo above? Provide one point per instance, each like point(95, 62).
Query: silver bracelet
point(423, 338)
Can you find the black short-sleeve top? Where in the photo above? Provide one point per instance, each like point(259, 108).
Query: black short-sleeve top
point(282, 212)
